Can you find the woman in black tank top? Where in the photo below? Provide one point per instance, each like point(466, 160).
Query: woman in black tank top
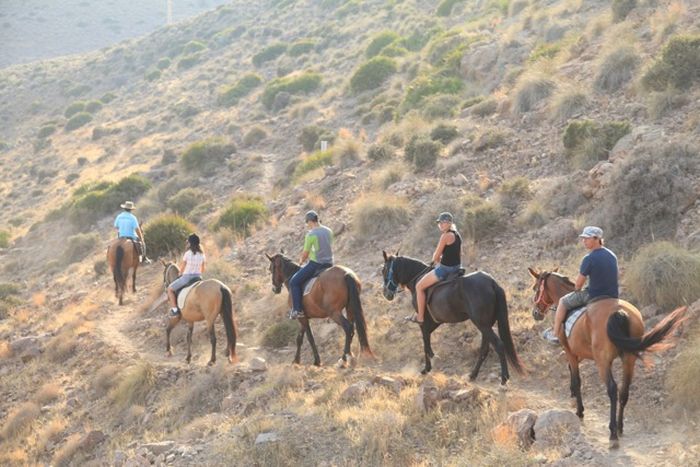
point(447, 257)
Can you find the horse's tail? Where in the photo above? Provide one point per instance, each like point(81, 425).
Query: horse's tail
point(354, 306)
point(504, 329)
point(117, 271)
point(652, 341)
point(229, 325)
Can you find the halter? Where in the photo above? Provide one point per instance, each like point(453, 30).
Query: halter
point(389, 283)
point(541, 297)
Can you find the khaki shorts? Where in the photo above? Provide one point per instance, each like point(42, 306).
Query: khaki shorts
point(575, 299)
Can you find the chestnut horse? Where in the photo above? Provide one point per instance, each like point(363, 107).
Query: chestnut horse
point(336, 288)
point(609, 328)
point(122, 256)
point(205, 301)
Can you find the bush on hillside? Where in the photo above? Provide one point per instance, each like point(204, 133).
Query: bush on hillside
point(445, 7)
point(4, 239)
point(546, 50)
point(163, 63)
point(78, 120)
point(253, 136)
point(422, 152)
point(166, 235)
point(444, 133)
point(372, 74)
point(661, 103)
point(80, 246)
point(185, 63)
point(428, 86)
point(621, 8)
point(567, 104)
point(242, 214)
point(193, 47)
point(207, 156)
point(108, 97)
point(281, 334)
point(46, 131)
point(186, 200)
point(489, 138)
point(482, 219)
point(152, 75)
point(313, 161)
point(439, 106)
point(381, 152)
point(647, 194)
point(74, 108)
point(393, 50)
point(484, 107)
point(513, 193)
point(230, 96)
point(303, 83)
point(665, 275)
point(92, 201)
point(530, 92)
point(684, 374)
point(93, 106)
point(588, 142)
point(134, 386)
point(379, 214)
point(379, 41)
point(616, 69)
point(301, 47)
point(269, 53)
point(311, 136)
point(679, 65)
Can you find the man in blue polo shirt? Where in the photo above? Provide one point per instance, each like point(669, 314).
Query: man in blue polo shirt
point(128, 227)
point(599, 266)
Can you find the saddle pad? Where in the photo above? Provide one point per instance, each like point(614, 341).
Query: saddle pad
point(183, 293)
point(571, 320)
point(309, 284)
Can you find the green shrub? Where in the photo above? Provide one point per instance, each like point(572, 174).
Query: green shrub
point(281, 334)
point(617, 69)
point(92, 201)
point(568, 104)
point(444, 133)
point(185, 63)
point(665, 275)
point(372, 74)
point(166, 235)
point(232, 94)
point(532, 91)
point(193, 47)
point(484, 107)
point(513, 193)
point(269, 53)
point(152, 75)
point(381, 152)
point(445, 7)
point(163, 63)
point(482, 219)
point(428, 86)
point(74, 108)
point(4, 239)
point(93, 106)
point(108, 97)
point(394, 50)
point(422, 152)
point(621, 8)
point(647, 194)
point(253, 136)
point(439, 106)
point(313, 161)
point(303, 83)
point(301, 47)
point(588, 142)
point(312, 134)
point(78, 120)
point(546, 50)
point(207, 156)
point(46, 130)
point(80, 246)
point(679, 65)
point(379, 41)
point(185, 200)
point(379, 214)
point(242, 214)
point(8, 290)
point(489, 138)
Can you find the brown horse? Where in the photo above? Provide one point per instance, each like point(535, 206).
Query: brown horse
point(205, 301)
point(336, 288)
point(609, 328)
point(122, 256)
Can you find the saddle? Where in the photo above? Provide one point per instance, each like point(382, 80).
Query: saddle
point(308, 285)
point(573, 315)
point(451, 277)
point(181, 295)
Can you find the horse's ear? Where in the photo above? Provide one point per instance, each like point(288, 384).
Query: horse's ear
point(281, 250)
point(162, 261)
point(397, 252)
point(268, 257)
point(556, 269)
point(534, 273)
point(386, 258)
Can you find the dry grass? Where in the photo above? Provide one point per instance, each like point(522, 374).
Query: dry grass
point(104, 379)
point(684, 375)
point(379, 214)
point(19, 420)
point(65, 454)
point(616, 69)
point(568, 103)
point(388, 175)
point(49, 392)
point(134, 386)
point(5, 350)
point(531, 91)
point(50, 433)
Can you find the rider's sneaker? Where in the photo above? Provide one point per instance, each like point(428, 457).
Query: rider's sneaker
point(295, 314)
point(145, 260)
point(550, 337)
point(174, 312)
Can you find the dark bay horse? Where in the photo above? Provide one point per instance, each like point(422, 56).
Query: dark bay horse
point(336, 288)
point(609, 328)
point(204, 302)
point(122, 256)
point(475, 296)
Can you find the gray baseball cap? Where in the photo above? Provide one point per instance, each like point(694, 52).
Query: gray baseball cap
point(311, 216)
point(591, 231)
point(445, 217)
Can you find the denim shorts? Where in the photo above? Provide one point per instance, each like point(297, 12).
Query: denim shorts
point(182, 281)
point(442, 271)
point(575, 299)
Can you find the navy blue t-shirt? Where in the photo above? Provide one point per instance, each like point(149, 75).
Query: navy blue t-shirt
point(600, 266)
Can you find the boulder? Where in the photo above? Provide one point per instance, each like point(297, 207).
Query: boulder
point(160, 447)
point(554, 427)
point(518, 427)
point(558, 233)
point(355, 391)
point(91, 440)
point(388, 382)
point(428, 395)
point(258, 364)
point(264, 438)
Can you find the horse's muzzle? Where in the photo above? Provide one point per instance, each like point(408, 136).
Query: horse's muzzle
point(388, 294)
point(276, 289)
point(537, 314)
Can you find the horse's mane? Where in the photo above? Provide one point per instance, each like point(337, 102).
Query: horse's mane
point(563, 278)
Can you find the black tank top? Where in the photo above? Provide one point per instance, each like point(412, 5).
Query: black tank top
point(451, 253)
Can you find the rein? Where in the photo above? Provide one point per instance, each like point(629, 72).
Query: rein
point(392, 286)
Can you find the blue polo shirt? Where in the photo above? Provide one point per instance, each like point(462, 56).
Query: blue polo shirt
point(127, 224)
point(600, 266)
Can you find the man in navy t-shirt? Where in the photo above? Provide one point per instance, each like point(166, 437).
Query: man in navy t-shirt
point(599, 266)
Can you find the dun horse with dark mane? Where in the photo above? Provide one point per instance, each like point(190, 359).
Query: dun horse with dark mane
point(609, 328)
point(122, 256)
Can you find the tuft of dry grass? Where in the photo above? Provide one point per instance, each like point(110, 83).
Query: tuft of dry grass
point(684, 375)
point(50, 433)
point(379, 214)
point(49, 392)
point(65, 454)
point(134, 387)
point(104, 379)
point(568, 103)
point(531, 91)
point(19, 420)
point(5, 350)
point(387, 176)
point(616, 69)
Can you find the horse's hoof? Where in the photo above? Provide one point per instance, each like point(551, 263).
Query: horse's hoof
point(211, 363)
point(317, 363)
point(424, 372)
point(614, 443)
point(341, 363)
point(169, 353)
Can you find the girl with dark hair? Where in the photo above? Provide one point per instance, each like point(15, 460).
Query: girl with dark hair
point(191, 268)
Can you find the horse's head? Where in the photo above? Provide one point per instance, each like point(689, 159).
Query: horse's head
point(549, 287)
point(389, 276)
point(277, 271)
point(170, 273)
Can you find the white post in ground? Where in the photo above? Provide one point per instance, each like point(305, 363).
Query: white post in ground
point(324, 145)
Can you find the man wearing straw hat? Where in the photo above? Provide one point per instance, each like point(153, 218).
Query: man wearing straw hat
point(128, 227)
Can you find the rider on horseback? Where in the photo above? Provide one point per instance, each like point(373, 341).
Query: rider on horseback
point(599, 266)
point(317, 249)
point(192, 267)
point(128, 227)
point(447, 256)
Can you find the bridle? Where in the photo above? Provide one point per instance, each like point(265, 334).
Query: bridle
point(391, 285)
point(165, 274)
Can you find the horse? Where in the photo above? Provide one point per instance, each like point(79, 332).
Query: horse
point(122, 256)
point(205, 301)
point(336, 288)
point(476, 296)
point(609, 328)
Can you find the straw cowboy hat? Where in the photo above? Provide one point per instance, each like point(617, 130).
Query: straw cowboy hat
point(128, 205)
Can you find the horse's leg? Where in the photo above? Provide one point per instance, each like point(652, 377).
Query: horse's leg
point(349, 332)
point(310, 337)
point(189, 341)
point(212, 339)
point(605, 372)
point(628, 361)
point(487, 333)
point(576, 384)
point(133, 280)
point(427, 329)
point(171, 324)
point(483, 352)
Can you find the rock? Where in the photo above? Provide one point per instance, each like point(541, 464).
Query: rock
point(258, 364)
point(228, 403)
point(355, 391)
point(428, 394)
point(119, 458)
point(160, 447)
point(28, 348)
point(558, 233)
point(91, 440)
point(555, 426)
point(598, 179)
point(264, 438)
point(641, 134)
point(519, 427)
point(388, 382)
point(471, 396)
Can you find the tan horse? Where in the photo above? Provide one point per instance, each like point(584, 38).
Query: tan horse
point(122, 256)
point(337, 288)
point(609, 328)
point(204, 302)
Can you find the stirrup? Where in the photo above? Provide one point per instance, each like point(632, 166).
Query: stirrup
point(413, 319)
point(295, 314)
point(174, 312)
